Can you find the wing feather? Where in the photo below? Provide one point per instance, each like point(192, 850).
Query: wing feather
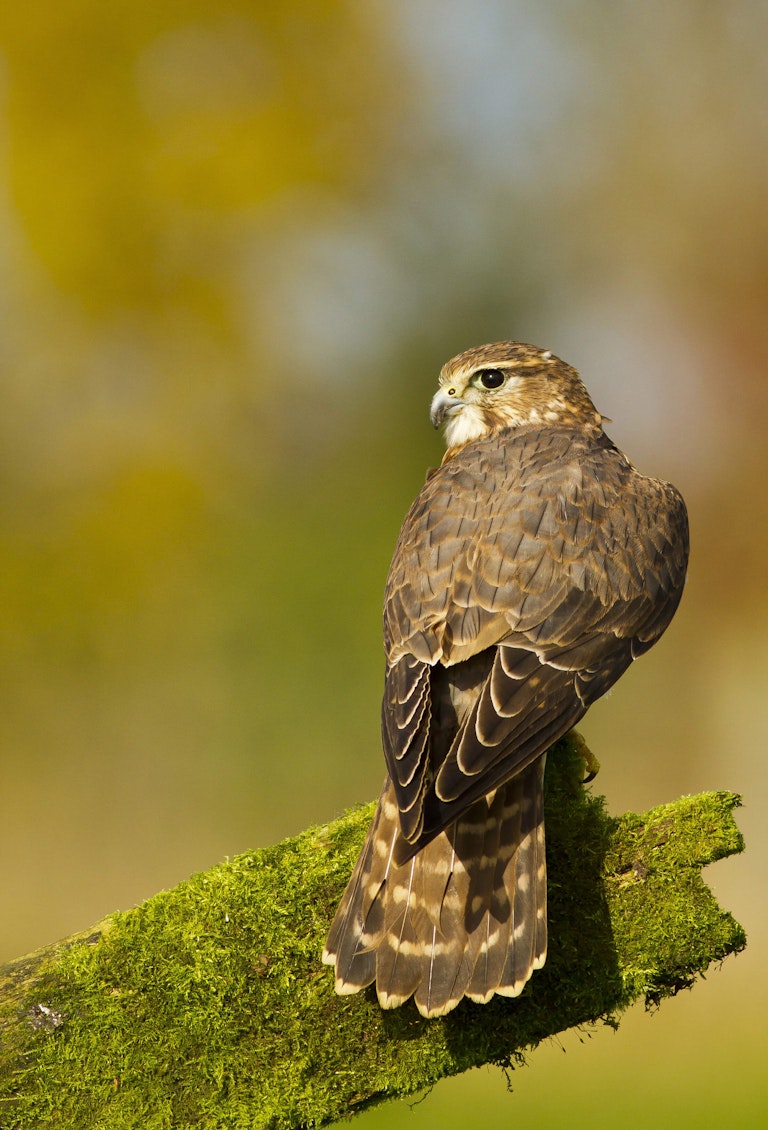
point(545, 549)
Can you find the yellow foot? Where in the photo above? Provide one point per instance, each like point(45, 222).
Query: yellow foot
point(591, 764)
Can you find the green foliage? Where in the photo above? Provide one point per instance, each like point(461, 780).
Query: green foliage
point(207, 1005)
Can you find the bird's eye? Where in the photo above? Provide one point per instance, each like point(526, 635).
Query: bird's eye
point(491, 378)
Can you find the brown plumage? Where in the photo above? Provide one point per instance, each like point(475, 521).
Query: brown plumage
point(535, 564)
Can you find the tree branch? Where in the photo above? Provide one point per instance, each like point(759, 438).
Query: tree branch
point(207, 1005)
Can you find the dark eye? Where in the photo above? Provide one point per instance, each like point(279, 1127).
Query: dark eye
point(491, 378)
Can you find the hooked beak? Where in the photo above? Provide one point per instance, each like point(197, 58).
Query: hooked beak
point(442, 406)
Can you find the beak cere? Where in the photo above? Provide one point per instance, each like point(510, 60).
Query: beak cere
point(442, 406)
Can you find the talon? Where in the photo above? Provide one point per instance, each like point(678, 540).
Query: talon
point(591, 764)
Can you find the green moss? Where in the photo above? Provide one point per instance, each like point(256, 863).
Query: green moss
point(207, 1006)
point(657, 859)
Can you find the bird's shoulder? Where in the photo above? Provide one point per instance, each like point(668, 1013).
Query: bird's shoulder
point(507, 482)
point(512, 524)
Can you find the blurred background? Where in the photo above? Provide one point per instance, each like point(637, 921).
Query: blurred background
point(237, 242)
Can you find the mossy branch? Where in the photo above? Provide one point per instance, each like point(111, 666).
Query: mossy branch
point(207, 1006)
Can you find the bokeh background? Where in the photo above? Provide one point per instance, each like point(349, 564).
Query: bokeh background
point(237, 241)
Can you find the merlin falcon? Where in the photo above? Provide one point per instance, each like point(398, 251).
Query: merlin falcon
point(535, 564)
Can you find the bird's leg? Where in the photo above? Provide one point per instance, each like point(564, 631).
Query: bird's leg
point(591, 764)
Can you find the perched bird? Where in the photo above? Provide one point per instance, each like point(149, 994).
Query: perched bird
point(535, 564)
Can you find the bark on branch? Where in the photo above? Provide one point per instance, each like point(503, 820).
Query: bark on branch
point(207, 1005)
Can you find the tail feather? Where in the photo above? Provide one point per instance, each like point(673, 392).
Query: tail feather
point(399, 952)
point(465, 916)
point(359, 921)
point(528, 925)
point(497, 907)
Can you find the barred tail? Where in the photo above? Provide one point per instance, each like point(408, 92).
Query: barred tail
point(466, 916)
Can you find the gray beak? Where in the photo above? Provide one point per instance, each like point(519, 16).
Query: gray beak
point(443, 405)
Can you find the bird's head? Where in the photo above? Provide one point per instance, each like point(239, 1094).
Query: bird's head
point(507, 385)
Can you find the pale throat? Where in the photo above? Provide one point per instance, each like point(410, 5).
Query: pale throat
point(474, 422)
point(464, 426)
